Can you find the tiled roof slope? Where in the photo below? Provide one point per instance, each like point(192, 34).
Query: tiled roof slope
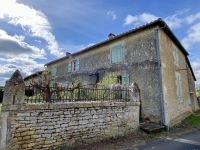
point(159, 22)
point(34, 74)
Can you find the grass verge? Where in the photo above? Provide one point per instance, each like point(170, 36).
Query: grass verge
point(193, 120)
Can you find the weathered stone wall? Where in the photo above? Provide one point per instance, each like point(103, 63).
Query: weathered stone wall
point(175, 110)
point(139, 61)
point(40, 126)
point(192, 90)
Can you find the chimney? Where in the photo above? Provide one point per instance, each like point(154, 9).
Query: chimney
point(110, 36)
point(68, 54)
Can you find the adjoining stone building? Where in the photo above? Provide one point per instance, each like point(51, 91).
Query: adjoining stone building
point(149, 55)
point(34, 76)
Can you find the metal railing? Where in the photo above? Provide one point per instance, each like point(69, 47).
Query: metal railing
point(62, 94)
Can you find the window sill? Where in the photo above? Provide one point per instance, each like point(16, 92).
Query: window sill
point(180, 101)
point(116, 62)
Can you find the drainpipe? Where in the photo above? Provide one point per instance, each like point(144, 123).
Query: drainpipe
point(160, 77)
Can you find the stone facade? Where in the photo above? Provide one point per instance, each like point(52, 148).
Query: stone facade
point(176, 110)
point(29, 79)
point(139, 62)
point(148, 59)
point(41, 126)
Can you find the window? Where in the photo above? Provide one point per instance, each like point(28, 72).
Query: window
point(73, 65)
point(175, 53)
point(69, 66)
point(53, 71)
point(76, 65)
point(179, 88)
point(66, 84)
point(116, 53)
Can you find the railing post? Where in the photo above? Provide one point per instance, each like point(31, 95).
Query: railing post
point(134, 93)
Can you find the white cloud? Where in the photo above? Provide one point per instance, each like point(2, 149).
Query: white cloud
point(130, 19)
point(7, 70)
point(32, 21)
point(139, 19)
point(112, 13)
point(192, 37)
point(20, 60)
point(91, 44)
point(176, 22)
point(190, 19)
point(196, 68)
point(173, 22)
point(196, 64)
point(38, 41)
point(15, 46)
point(71, 48)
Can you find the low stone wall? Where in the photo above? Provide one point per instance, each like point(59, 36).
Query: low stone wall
point(41, 126)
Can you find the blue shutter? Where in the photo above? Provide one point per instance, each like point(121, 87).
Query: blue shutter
point(116, 53)
point(179, 88)
point(174, 52)
point(66, 84)
point(119, 53)
point(77, 65)
point(125, 80)
point(53, 71)
point(175, 56)
point(69, 66)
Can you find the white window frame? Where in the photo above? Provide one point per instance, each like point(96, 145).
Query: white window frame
point(74, 65)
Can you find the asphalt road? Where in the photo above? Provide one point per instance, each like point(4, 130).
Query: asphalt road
point(189, 141)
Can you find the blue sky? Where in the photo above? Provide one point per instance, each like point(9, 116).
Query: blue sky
point(34, 32)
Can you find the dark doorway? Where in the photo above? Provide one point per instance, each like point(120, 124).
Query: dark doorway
point(1, 96)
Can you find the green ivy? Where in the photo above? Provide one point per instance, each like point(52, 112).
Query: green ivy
point(110, 79)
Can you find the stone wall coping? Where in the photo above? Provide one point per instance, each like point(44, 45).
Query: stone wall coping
point(63, 105)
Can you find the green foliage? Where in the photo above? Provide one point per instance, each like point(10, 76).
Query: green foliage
point(50, 90)
point(110, 79)
point(151, 135)
point(193, 120)
point(76, 84)
point(46, 76)
point(198, 90)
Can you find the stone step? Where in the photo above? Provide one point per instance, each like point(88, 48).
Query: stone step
point(151, 127)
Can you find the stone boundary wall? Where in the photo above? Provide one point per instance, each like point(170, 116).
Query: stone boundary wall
point(41, 126)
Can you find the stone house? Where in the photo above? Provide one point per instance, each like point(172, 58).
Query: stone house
point(30, 78)
point(149, 55)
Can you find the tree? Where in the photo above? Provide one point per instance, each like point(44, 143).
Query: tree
point(51, 90)
point(47, 86)
point(198, 90)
